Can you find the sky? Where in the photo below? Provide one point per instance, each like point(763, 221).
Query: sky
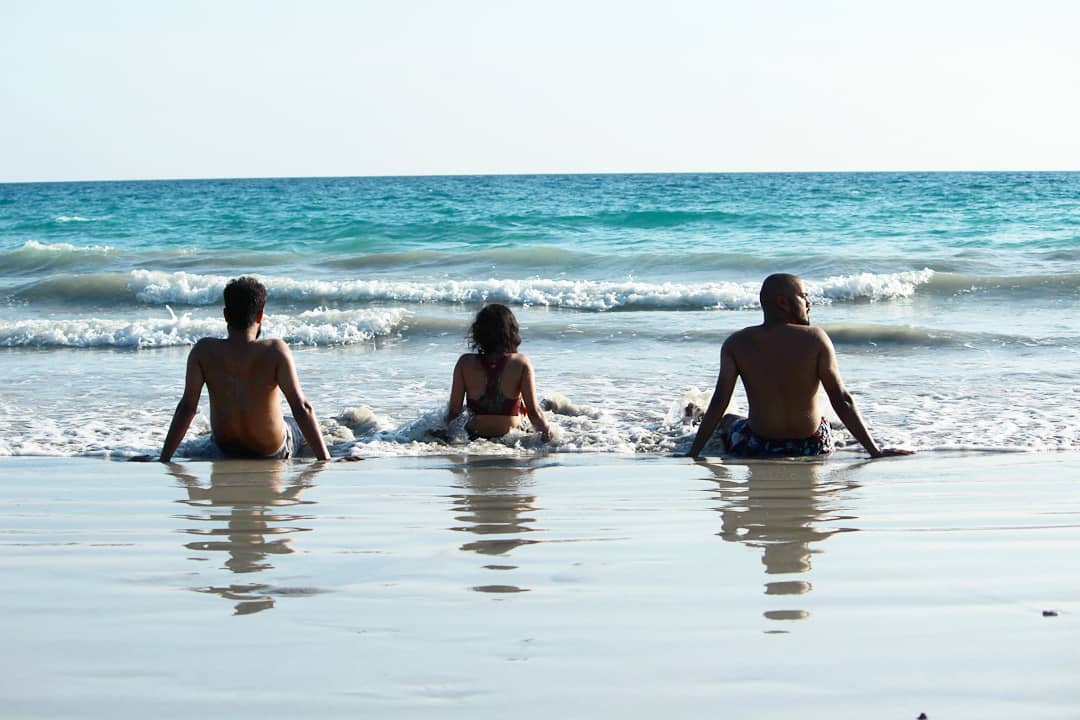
point(118, 89)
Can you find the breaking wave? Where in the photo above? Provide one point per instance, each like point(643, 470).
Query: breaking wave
point(313, 327)
point(181, 288)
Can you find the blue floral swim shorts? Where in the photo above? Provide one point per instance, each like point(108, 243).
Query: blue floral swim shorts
point(741, 441)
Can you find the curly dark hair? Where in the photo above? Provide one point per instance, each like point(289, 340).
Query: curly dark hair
point(245, 298)
point(495, 331)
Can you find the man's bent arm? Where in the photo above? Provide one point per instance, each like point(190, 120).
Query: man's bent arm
point(301, 409)
point(844, 405)
point(304, 414)
point(187, 407)
point(725, 386)
point(842, 401)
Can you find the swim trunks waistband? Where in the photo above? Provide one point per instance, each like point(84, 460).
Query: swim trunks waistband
point(292, 443)
point(741, 441)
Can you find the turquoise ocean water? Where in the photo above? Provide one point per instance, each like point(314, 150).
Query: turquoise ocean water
point(952, 299)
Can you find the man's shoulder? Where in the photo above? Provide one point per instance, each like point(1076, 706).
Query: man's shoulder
point(275, 347)
point(744, 333)
point(808, 334)
point(817, 332)
point(778, 333)
point(206, 344)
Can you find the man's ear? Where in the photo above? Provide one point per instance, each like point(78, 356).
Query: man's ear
point(783, 303)
point(225, 314)
point(258, 318)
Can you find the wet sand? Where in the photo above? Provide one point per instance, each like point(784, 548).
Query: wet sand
point(585, 586)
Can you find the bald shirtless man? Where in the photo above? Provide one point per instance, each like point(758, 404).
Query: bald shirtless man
point(781, 363)
point(243, 374)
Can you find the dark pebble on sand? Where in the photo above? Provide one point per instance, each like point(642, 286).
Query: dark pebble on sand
point(1049, 613)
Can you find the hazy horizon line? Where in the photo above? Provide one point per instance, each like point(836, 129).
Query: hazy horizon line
point(194, 178)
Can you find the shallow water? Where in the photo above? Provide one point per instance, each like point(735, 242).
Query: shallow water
point(951, 297)
point(598, 585)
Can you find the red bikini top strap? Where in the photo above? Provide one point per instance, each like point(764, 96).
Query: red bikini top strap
point(494, 369)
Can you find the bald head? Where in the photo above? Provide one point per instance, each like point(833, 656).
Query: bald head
point(781, 295)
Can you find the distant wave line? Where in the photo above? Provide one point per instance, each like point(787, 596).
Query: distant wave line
point(155, 287)
point(191, 289)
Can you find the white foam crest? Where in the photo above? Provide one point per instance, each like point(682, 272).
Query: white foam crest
point(154, 286)
point(180, 287)
point(33, 246)
point(336, 327)
point(314, 327)
point(75, 218)
point(100, 333)
point(870, 286)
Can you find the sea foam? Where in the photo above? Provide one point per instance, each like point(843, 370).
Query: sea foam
point(314, 327)
point(594, 295)
point(35, 246)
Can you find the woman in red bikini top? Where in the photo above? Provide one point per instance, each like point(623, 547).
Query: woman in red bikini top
point(496, 381)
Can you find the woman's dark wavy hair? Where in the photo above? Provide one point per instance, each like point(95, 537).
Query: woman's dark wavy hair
point(245, 298)
point(495, 331)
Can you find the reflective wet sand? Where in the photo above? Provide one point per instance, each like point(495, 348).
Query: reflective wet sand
point(576, 587)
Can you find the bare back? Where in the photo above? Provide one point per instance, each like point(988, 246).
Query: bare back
point(780, 368)
point(242, 380)
point(475, 380)
point(475, 377)
point(516, 385)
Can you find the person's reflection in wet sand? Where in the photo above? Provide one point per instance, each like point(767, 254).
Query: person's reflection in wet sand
point(782, 507)
point(494, 506)
point(242, 505)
